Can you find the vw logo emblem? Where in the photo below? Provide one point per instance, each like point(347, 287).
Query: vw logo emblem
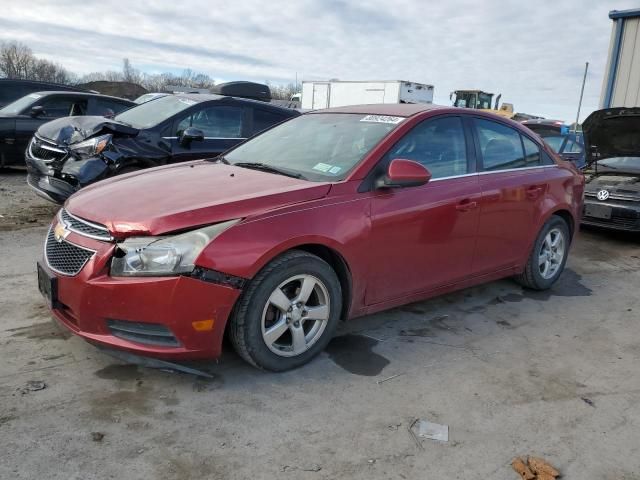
point(602, 195)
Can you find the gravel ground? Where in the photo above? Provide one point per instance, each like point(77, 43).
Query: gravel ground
point(512, 372)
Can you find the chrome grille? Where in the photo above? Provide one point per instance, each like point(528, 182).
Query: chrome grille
point(84, 227)
point(44, 151)
point(64, 257)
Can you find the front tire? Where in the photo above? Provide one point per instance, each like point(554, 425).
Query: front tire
point(288, 313)
point(548, 256)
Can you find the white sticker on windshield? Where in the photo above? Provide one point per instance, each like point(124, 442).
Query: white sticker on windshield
point(188, 101)
point(322, 167)
point(34, 95)
point(335, 170)
point(382, 119)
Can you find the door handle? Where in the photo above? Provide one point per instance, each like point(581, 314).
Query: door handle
point(533, 191)
point(466, 205)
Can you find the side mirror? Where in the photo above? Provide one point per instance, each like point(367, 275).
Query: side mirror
point(191, 135)
point(404, 173)
point(37, 110)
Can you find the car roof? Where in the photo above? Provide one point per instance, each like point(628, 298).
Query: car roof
point(82, 94)
point(392, 109)
point(204, 97)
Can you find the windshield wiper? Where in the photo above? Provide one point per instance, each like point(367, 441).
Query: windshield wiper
point(268, 168)
point(218, 159)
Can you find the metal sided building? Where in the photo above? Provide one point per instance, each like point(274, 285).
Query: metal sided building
point(621, 84)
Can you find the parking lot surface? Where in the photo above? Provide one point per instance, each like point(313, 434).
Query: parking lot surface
point(511, 372)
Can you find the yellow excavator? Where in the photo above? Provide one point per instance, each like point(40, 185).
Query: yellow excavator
point(481, 101)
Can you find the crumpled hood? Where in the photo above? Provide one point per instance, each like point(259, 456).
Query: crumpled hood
point(615, 132)
point(187, 195)
point(70, 130)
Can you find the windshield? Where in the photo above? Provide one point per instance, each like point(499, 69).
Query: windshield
point(319, 147)
point(631, 164)
point(150, 114)
point(21, 104)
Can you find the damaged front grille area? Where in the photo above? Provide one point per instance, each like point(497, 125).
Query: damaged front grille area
point(46, 151)
point(84, 227)
point(145, 333)
point(64, 257)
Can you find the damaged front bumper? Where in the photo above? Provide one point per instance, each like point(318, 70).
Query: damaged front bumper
point(59, 176)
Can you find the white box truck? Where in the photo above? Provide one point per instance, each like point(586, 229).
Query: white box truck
point(334, 93)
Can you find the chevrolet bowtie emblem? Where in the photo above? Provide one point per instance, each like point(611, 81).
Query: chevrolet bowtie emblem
point(60, 232)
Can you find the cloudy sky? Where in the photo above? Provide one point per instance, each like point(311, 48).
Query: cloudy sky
point(531, 52)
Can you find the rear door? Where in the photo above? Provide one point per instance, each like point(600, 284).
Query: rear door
point(223, 127)
point(514, 180)
point(424, 237)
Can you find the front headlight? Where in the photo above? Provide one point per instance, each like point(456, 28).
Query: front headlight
point(162, 256)
point(91, 147)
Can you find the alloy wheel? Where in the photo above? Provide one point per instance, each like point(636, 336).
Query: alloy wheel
point(552, 252)
point(295, 315)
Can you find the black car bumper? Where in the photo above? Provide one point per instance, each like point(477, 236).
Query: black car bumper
point(612, 214)
point(58, 180)
point(50, 187)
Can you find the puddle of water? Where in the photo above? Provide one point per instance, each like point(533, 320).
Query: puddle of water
point(568, 285)
point(355, 354)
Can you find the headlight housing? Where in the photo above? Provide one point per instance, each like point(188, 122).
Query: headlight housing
point(91, 147)
point(163, 256)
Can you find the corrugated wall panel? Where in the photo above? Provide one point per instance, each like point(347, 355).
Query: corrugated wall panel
point(605, 78)
point(627, 83)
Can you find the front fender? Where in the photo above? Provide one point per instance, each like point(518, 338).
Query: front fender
point(343, 226)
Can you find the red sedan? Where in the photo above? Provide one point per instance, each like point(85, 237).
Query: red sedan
point(332, 215)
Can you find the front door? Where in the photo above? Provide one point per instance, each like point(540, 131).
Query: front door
point(223, 127)
point(424, 237)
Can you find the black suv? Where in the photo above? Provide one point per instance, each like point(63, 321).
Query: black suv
point(70, 153)
point(20, 119)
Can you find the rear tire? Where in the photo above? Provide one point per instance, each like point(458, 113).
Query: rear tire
point(548, 256)
point(288, 313)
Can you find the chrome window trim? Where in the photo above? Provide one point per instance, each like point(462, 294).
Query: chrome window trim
point(46, 258)
point(453, 176)
point(211, 138)
point(516, 169)
point(108, 238)
point(492, 172)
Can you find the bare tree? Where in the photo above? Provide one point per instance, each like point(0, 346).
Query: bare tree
point(17, 61)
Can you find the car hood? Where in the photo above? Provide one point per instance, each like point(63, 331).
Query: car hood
point(612, 132)
point(70, 130)
point(184, 196)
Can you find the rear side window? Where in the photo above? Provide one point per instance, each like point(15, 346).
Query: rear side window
point(500, 145)
point(263, 119)
point(59, 106)
point(438, 144)
point(531, 152)
point(215, 122)
point(105, 107)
